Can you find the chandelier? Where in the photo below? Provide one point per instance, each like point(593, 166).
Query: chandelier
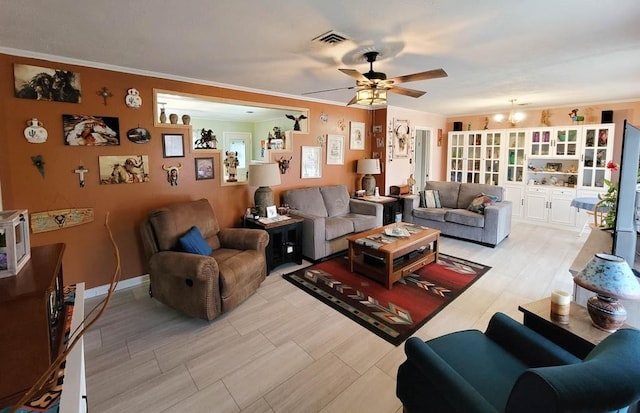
point(513, 118)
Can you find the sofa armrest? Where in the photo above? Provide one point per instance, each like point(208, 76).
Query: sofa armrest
point(497, 222)
point(447, 382)
point(183, 265)
point(244, 238)
point(358, 206)
point(313, 234)
point(410, 203)
point(532, 348)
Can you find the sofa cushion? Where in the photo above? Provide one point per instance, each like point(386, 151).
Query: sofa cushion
point(430, 198)
point(335, 227)
point(464, 217)
point(308, 200)
point(193, 242)
point(237, 268)
point(447, 191)
point(470, 191)
point(361, 222)
point(433, 214)
point(479, 203)
point(336, 199)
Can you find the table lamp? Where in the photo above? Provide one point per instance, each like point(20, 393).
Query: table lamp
point(611, 278)
point(368, 167)
point(263, 175)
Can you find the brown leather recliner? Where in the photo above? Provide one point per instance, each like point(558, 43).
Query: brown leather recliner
point(199, 285)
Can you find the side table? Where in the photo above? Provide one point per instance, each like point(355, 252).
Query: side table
point(578, 337)
point(389, 207)
point(285, 240)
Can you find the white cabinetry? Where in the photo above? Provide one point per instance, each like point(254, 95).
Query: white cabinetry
point(557, 142)
point(475, 157)
point(550, 205)
point(597, 151)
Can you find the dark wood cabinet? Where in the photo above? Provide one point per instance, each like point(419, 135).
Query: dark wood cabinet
point(285, 241)
point(32, 317)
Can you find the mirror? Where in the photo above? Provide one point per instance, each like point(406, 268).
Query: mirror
point(242, 132)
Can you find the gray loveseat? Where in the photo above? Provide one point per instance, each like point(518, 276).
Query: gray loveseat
point(453, 218)
point(330, 215)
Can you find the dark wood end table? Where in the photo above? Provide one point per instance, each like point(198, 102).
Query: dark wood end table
point(285, 240)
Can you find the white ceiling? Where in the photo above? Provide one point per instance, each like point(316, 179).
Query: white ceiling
point(544, 53)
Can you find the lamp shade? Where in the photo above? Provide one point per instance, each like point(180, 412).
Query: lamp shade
point(609, 276)
point(264, 174)
point(368, 166)
point(371, 97)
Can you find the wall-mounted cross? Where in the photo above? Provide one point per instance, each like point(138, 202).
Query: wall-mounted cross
point(81, 171)
point(105, 93)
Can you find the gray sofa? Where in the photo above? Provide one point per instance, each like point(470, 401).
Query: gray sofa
point(330, 215)
point(454, 220)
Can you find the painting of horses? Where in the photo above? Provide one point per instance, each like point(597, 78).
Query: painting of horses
point(43, 83)
point(124, 169)
point(80, 130)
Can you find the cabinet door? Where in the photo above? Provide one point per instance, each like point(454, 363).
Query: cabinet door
point(456, 170)
point(561, 211)
point(474, 157)
point(597, 150)
point(516, 157)
point(566, 141)
point(515, 194)
point(540, 142)
point(536, 204)
point(492, 160)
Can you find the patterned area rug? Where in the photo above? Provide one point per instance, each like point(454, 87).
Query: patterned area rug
point(391, 314)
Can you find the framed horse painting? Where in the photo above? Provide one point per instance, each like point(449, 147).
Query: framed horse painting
point(80, 130)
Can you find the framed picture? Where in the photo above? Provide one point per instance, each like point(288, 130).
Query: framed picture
point(123, 169)
point(272, 212)
point(172, 145)
point(80, 130)
point(356, 137)
point(311, 164)
point(204, 168)
point(45, 83)
point(204, 141)
point(335, 150)
point(401, 138)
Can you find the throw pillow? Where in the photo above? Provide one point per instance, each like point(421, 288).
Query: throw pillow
point(479, 203)
point(493, 197)
point(193, 242)
point(432, 198)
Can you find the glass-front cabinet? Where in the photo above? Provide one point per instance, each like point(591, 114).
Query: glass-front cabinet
point(492, 161)
point(516, 156)
point(540, 142)
point(597, 151)
point(456, 156)
point(474, 157)
point(566, 141)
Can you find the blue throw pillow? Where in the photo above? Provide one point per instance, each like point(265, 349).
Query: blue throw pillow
point(193, 242)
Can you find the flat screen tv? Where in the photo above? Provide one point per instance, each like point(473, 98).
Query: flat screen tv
point(627, 219)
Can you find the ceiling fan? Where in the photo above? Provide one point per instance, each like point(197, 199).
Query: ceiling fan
point(374, 85)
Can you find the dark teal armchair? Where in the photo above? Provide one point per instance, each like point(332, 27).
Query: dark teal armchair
point(511, 368)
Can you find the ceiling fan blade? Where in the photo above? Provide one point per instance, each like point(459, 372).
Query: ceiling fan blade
point(406, 92)
point(353, 100)
point(430, 74)
point(330, 90)
point(355, 74)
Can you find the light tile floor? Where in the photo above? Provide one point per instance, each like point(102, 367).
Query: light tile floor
point(284, 351)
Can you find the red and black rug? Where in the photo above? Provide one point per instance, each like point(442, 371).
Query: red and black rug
point(391, 314)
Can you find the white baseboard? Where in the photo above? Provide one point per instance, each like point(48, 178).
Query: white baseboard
point(129, 282)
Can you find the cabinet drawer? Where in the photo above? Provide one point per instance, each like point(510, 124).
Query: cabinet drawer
point(563, 193)
point(535, 190)
point(415, 266)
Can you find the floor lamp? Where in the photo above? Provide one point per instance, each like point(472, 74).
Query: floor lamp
point(264, 175)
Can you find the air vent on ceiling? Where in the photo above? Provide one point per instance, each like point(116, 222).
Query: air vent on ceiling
point(331, 37)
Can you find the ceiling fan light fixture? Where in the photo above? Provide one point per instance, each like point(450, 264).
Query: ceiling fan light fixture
point(371, 97)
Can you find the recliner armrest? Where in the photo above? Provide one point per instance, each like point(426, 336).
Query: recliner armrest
point(243, 238)
point(449, 383)
point(184, 265)
point(532, 348)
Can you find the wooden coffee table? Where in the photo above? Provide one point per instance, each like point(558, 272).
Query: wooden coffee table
point(389, 262)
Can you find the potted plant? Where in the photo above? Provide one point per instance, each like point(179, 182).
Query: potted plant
point(609, 199)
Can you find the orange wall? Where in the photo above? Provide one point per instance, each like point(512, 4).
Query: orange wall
point(89, 255)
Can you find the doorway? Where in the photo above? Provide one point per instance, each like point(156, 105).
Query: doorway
point(238, 143)
point(422, 168)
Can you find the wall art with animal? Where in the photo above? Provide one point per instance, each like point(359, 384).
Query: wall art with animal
point(81, 130)
point(43, 83)
point(124, 169)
